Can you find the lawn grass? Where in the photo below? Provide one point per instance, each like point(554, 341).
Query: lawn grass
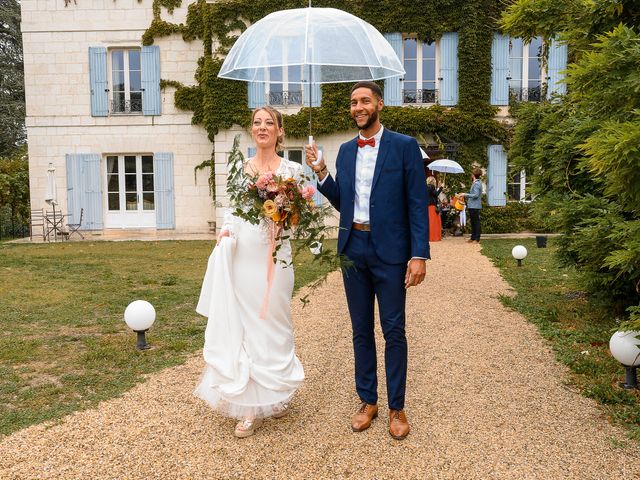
point(578, 330)
point(64, 345)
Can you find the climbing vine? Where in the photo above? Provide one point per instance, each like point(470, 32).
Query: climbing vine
point(218, 104)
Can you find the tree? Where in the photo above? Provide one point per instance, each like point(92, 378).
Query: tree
point(12, 113)
point(585, 146)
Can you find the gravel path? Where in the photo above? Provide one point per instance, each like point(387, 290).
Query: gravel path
point(486, 399)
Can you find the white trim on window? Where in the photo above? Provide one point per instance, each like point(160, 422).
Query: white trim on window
point(421, 90)
point(129, 100)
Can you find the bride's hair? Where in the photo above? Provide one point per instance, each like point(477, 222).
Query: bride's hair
point(277, 118)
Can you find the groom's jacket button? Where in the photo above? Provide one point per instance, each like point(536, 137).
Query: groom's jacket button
point(363, 227)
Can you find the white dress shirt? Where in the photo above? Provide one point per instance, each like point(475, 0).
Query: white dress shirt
point(365, 167)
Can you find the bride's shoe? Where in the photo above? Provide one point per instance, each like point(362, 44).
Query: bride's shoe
point(247, 427)
point(280, 411)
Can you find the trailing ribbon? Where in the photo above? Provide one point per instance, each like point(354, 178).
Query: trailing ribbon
point(274, 231)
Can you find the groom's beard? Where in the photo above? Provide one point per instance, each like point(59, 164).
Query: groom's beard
point(372, 119)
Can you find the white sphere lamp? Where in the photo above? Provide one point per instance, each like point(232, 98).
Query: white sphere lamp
point(625, 347)
point(140, 315)
point(519, 252)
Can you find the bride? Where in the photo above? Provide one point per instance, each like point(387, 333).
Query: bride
point(251, 370)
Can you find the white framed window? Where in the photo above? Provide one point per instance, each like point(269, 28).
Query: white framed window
point(130, 190)
point(125, 81)
point(285, 86)
point(526, 71)
point(518, 187)
point(421, 62)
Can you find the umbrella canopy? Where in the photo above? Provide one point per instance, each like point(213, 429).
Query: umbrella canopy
point(50, 195)
point(424, 154)
point(445, 165)
point(332, 46)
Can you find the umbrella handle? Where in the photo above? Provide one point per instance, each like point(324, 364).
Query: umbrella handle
point(319, 151)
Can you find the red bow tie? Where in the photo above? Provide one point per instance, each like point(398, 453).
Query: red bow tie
point(371, 141)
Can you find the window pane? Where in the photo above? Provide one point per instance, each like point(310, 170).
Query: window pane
point(147, 164)
point(410, 68)
point(148, 201)
point(136, 101)
point(295, 74)
point(147, 182)
point(429, 50)
point(117, 60)
point(410, 48)
point(112, 164)
point(134, 59)
point(294, 156)
point(114, 201)
point(275, 74)
point(134, 81)
point(130, 183)
point(113, 183)
point(428, 71)
point(132, 201)
point(129, 164)
point(118, 81)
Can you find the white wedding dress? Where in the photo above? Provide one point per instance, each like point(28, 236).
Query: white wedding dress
point(251, 366)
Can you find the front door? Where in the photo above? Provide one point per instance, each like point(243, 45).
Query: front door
point(130, 196)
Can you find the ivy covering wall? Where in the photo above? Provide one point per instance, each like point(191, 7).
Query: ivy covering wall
point(218, 104)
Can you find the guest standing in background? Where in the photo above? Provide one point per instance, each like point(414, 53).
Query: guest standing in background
point(433, 202)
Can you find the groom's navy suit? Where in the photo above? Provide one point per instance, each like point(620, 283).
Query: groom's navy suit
point(399, 231)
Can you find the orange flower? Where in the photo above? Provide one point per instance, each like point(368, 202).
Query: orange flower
point(295, 219)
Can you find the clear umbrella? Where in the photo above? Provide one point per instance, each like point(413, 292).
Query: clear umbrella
point(330, 46)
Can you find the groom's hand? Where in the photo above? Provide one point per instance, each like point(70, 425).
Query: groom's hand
point(320, 168)
point(416, 270)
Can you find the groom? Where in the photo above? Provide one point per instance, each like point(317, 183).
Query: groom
point(379, 190)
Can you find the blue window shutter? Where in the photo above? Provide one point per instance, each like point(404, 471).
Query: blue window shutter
point(251, 152)
point(497, 176)
point(84, 190)
point(500, 70)
point(316, 94)
point(150, 65)
point(163, 183)
point(312, 178)
point(98, 80)
point(557, 65)
point(257, 97)
point(393, 85)
point(449, 69)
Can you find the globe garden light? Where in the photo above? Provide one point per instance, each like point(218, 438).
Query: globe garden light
point(519, 252)
point(140, 315)
point(625, 347)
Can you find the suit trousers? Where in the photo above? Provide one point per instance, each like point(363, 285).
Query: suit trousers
point(365, 280)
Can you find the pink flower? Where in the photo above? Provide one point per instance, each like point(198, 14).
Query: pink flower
point(307, 192)
point(264, 180)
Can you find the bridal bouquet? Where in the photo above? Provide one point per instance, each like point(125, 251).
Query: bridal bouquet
point(283, 201)
point(284, 206)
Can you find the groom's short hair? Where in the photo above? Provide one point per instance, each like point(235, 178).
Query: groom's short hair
point(373, 86)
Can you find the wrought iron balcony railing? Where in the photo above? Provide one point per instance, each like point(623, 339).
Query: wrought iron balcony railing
point(420, 96)
point(533, 94)
point(126, 106)
point(285, 98)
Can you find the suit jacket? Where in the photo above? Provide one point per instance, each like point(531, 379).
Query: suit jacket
point(398, 202)
point(474, 197)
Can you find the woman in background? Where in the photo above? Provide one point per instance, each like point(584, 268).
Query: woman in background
point(435, 222)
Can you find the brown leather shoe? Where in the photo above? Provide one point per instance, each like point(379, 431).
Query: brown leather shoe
point(398, 424)
point(361, 420)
